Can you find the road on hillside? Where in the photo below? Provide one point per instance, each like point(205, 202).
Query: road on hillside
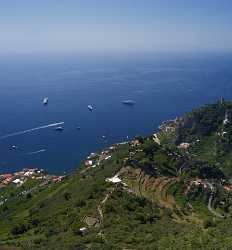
point(209, 206)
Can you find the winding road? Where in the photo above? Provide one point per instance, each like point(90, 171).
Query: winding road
point(209, 206)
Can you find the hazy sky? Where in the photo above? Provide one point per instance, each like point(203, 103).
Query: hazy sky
point(115, 25)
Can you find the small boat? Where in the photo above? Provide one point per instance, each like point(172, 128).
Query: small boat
point(59, 128)
point(128, 102)
point(90, 107)
point(78, 128)
point(14, 147)
point(45, 101)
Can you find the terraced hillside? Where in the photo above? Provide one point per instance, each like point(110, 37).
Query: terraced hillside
point(170, 190)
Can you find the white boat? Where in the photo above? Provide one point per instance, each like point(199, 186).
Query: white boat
point(45, 101)
point(128, 102)
point(90, 107)
point(59, 128)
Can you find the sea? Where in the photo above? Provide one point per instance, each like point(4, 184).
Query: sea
point(162, 85)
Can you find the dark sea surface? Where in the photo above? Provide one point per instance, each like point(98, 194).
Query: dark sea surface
point(163, 87)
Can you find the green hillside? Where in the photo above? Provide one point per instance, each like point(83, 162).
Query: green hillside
point(170, 190)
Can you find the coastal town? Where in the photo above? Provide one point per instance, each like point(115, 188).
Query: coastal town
point(20, 177)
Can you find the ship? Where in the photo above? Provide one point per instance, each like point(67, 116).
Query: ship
point(128, 102)
point(59, 128)
point(90, 107)
point(45, 101)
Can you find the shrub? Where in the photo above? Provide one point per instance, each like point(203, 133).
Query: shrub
point(208, 223)
point(28, 196)
point(80, 203)
point(19, 229)
point(67, 196)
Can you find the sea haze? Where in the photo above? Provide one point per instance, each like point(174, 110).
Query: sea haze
point(163, 87)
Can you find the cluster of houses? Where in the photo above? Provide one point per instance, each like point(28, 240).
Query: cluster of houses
point(184, 146)
point(228, 187)
point(205, 185)
point(135, 143)
point(20, 177)
point(169, 125)
point(95, 159)
point(197, 182)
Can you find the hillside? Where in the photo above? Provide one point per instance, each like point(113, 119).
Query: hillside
point(170, 190)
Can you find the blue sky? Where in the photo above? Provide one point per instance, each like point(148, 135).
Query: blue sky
point(115, 25)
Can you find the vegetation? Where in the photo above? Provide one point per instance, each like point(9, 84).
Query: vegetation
point(164, 196)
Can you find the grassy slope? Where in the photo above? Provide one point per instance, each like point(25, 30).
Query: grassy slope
point(152, 212)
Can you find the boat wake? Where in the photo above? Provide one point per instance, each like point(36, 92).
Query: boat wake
point(36, 152)
point(31, 130)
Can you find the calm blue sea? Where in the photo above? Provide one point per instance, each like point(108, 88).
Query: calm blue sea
point(163, 87)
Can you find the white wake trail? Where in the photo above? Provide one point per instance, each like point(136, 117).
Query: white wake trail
point(31, 130)
point(36, 152)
